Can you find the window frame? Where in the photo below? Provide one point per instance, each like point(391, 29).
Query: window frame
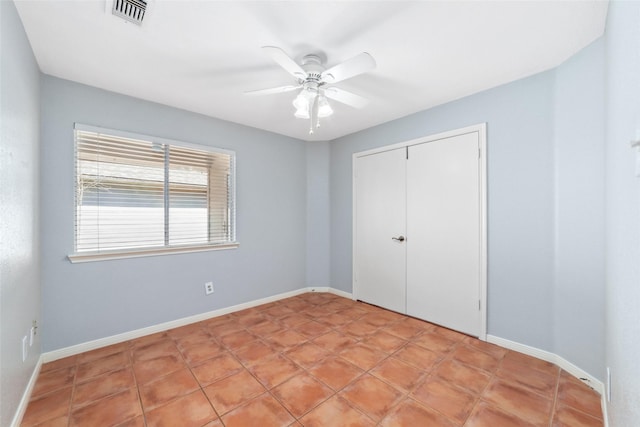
point(88, 256)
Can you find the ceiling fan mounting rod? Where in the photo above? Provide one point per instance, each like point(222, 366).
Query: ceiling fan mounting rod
point(311, 58)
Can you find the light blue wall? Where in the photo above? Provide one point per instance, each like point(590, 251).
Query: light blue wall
point(99, 299)
point(19, 213)
point(520, 198)
point(318, 214)
point(623, 212)
point(578, 324)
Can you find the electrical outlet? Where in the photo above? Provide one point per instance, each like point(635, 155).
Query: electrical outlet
point(208, 288)
point(25, 348)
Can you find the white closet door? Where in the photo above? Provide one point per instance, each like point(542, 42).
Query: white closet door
point(380, 215)
point(443, 233)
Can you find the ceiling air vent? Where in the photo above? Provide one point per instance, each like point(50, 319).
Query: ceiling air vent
point(131, 10)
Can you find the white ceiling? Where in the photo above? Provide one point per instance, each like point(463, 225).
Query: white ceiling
point(202, 55)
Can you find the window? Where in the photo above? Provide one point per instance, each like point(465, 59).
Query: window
point(142, 195)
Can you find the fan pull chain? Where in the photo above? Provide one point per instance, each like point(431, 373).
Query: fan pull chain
point(313, 114)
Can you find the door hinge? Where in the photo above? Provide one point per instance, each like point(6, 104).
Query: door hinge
point(479, 153)
point(407, 151)
point(479, 306)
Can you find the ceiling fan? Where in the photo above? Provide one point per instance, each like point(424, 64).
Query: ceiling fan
point(313, 80)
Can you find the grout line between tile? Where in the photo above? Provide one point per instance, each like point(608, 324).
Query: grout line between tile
point(278, 310)
point(73, 389)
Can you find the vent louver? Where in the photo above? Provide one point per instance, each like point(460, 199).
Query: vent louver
point(131, 10)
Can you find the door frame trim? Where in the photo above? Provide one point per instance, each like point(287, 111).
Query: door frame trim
point(481, 130)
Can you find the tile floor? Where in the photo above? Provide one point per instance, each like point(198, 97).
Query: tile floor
point(313, 360)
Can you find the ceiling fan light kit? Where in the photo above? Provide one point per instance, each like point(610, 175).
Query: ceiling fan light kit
point(324, 108)
point(311, 103)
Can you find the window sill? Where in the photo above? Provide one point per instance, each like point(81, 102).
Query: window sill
point(137, 253)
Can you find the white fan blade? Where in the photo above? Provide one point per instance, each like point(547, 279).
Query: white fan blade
point(352, 67)
point(280, 89)
point(346, 97)
point(285, 61)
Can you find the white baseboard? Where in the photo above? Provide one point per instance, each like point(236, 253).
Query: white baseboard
point(340, 293)
point(591, 381)
point(26, 396)
point(115, 339)
point(330, 290)
point(563, 363)
point(582, 375)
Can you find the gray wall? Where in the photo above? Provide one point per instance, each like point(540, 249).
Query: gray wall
point(578, 324)
point(623, 213)
point(545, 203)
point(318, 201)
point(94, 300)
point(520, 198)
point(19, 196)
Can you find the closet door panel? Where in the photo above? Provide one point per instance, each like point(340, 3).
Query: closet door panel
point(380, 215)
point(443, 233)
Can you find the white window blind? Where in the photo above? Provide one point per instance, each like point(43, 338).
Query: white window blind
point(137, 193)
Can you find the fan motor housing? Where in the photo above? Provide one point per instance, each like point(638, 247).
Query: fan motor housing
point(312, 64)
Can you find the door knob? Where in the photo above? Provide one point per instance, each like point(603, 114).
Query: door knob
point(399, 239)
